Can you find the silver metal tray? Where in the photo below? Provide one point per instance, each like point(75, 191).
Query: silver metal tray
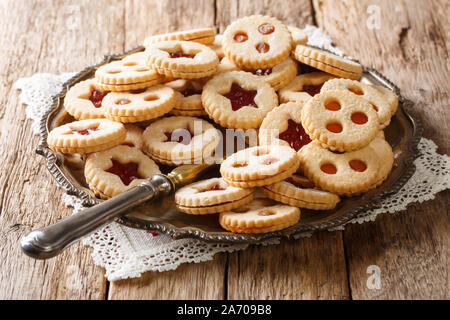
point(403, 134)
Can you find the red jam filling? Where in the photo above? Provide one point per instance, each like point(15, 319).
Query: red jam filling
point(85, 132)
point(179, 138)
point(97, 97)
point(190, 92)
point(181, 54)
point(312, 90)
point(266, 28)
point(126, 172)
point(239, 97)
point(262, 72)
point(304, 68)
point(215, 187)
point(295, 135)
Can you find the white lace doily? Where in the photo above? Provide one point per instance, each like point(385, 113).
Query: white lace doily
point(126, 253)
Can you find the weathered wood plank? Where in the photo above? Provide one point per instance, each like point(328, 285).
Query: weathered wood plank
point(309, 268)
point(144, 18)
point(410, 46)
point(44, 36)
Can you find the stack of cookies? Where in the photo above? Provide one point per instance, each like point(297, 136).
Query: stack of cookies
point(320, 130)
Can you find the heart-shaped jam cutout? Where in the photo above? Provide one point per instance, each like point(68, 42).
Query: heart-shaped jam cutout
point(239, 97)
point(312, 89)
point(181, 54)
point(85, 132)
point(126, 172)
point(295, 135)
point(97, 96)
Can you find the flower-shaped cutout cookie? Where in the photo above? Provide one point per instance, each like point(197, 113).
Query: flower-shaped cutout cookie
point(340, 120)
point(257, 42)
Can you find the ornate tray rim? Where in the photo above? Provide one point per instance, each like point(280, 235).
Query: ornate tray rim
point(54, 164)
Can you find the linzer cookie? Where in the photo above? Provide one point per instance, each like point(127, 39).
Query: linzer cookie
point(279, 75)
point(181, 59)
point(211, 196)
point(259, 166)
point(375, 97)
point(86, 136)
point(348, 173)
point(328, 62)
point(386, 159)
point(283, 125)
point(177, 140)
point(188, 99)
point(304, 87)
point(340, 121)
point(257, 42)
point(261, 215)
point(130, 73)
point(201, 35)
point(298, 191)
point(133, 137)
point(84, 100)
point(238, 100)
point(298, 36)
point(111, 172)
point(137, 106)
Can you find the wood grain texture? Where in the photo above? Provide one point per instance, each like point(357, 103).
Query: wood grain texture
point(308, 268)
point(44, 36)
point(410, 46)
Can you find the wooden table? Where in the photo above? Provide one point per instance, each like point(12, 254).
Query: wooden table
point(408, 41)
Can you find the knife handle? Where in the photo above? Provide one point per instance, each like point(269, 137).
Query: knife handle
point(49, 241)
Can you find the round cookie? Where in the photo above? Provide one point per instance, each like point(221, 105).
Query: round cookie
point(259, 166)
point(283, 126)
point(257, 42)
point(279, 75)
point(348, 173)
point(211, 196)
point(339, 120)
point(304, 87)
point(328, 62)
point(177, 140)
point(261, 215)
point(238, 100)
point(181, 59)
point(386, 159)
point(375, 97)
point(201, 35)
point(139, 106)
point(111, 172)
point(130, 73)
point(86, 136)
point(298, 191)
point(84, 100)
